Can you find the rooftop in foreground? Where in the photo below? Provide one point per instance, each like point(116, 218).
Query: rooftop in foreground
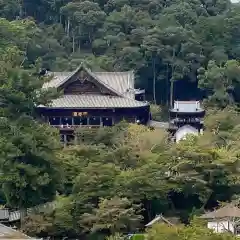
point(10, 233)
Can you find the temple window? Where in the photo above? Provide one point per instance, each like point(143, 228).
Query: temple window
point(107, 121)
point(94, 121)
point(54, 120)
point(80, 121)
point(66, 121)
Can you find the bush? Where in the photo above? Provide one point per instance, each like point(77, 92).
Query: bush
point(138, 237)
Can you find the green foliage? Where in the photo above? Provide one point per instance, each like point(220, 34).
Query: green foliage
point(165, 232)
point(105, 184)
point(115, 237)
point(115, 215)
point(156, 112)
point(138, 237)
point(220, 82)
point(103, 181)
point(162, 42)
point(28, 163)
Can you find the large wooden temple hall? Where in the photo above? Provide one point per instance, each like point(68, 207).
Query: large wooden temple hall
point(94, 99)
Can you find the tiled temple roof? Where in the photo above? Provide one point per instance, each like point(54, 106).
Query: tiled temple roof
point(95, 101)
point(121, 84)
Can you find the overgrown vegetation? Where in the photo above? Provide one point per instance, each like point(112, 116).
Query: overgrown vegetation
point(120, 185)
point(120, 177)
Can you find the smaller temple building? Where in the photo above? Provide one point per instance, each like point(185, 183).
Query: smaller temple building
point(93, 99)
point(225, 219)
point(186, 117)
point(170, 221)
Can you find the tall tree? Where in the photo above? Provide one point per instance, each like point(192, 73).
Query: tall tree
point(220, 82)
point(28, 162)
point(113, 215)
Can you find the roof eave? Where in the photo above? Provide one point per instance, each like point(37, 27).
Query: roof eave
point(177, 111)
point(49, 108)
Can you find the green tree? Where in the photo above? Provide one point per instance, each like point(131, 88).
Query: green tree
point(116, 237)
point(114, 215)
point(220, 81)
point(28, 162)
point(100, 185)
point(165, 232)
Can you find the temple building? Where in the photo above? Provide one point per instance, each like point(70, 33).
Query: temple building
point(186, 117)
point(224, 219)
point(93, 99)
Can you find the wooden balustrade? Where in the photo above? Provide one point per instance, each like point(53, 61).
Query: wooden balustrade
point(73, 127)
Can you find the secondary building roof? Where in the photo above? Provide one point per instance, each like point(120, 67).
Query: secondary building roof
point(227, 211)
point(121, 84)
point(160, 219)
point(187, 107)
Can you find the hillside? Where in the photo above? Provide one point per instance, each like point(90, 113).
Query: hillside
point(164, 42)
point(119, 178)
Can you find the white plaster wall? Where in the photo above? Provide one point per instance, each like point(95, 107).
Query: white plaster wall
point(182, 132)
point(221, 226)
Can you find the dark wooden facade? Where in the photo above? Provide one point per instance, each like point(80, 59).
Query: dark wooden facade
point(90, 102)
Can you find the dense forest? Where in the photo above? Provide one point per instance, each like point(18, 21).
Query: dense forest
point(171, 45)
point(121, 177)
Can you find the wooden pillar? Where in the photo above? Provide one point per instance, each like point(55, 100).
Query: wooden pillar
point(75, 139)
point(65, 140)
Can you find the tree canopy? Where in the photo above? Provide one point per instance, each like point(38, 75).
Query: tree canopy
point(170, 44)
point(120, 177)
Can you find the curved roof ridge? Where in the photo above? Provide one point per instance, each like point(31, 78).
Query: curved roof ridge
point(130, 71)
point(91, 74)
point(120, 81)
point(103, 83)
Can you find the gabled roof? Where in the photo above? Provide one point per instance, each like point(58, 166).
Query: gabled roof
point(187, 107)
point(58, 81)
point(121, 83)
point(160, 218)
point(228, 211)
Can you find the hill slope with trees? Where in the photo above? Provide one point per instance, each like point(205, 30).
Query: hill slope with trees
point(164, 42)
point(122, 176)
